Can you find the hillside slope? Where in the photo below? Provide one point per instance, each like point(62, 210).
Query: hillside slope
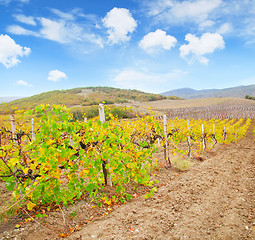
point(81, 97)
point(189, 93)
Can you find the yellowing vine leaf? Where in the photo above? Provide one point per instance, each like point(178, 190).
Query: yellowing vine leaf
point(30, 206)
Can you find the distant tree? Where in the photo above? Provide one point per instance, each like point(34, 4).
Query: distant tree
point(249, 97)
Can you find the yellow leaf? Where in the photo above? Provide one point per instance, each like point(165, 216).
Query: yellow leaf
point(64, 235)
point(30, 205)
point(18, 226)
point(41, 151)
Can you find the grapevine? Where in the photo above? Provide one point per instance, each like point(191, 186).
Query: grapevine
point(69, 158)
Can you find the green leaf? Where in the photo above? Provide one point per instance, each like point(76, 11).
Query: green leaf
point(10, 186)
point(118, 190)
point(75, 167)
point(147, 195)
point(90, 187)
point(150, 183)
point(129, 196)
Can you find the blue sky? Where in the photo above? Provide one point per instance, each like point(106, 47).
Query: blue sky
point(150, 45)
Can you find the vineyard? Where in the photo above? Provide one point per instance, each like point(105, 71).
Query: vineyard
point(47, 158)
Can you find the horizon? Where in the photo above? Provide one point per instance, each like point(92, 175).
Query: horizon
point(127, 89)
point(152, 46)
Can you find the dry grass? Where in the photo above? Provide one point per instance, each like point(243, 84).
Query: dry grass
point(180, 163)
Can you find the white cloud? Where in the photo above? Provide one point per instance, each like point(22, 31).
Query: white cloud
point(174, 12)
point(120, 23)
point(206, 24)
point(194, 9)
point(18, 30)
point(157, 40)
point(248, 31)
point(63, 30)
point(23, 83)
point(56, 75)
point(10, 51)
point(25, 19)
point(225, 28)
point(60, 31)
point(90, 37)
point(67, 16)
point(208, 43)
point(233, 17)
point(146, 81)
point(6, 2)
point(157, 7)
point(67, 32)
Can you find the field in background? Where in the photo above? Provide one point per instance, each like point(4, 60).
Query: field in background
point(233, 107)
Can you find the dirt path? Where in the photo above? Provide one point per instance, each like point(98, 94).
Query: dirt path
point(215, 200)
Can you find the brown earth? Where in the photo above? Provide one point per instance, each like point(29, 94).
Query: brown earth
point(215, 199)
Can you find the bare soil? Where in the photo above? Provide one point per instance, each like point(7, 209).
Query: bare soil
point(215, 199)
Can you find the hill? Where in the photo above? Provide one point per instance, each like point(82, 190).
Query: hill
point(235, 92)
point(80, 97)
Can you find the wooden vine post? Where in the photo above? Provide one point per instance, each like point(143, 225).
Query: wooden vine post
point(224, 134)
point(166, 153)
point(33, 129)
point(189, 140)
point(203, 137)
point(107, 175)
point(213, 136)
point(14, 134)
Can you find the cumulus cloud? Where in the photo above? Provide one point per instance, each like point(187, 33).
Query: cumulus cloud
point(56, 75)
point(23, 83)
point(10, 51)
point(25, 19)
point(198, 47)
point(157, 40)
point(146, 81)
point(206, 15)
point(120, 23)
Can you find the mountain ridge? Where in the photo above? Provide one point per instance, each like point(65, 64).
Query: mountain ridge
point(189, 93)
point(8, 99)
